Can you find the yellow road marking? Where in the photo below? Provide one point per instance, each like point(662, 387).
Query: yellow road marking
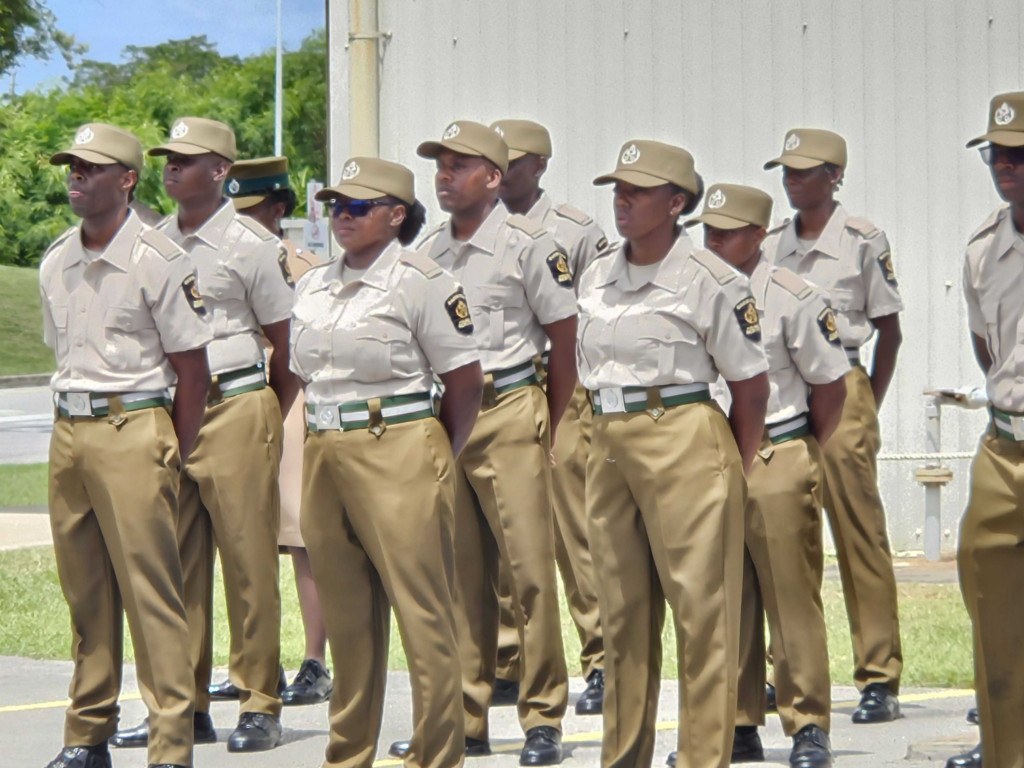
point(57, 704)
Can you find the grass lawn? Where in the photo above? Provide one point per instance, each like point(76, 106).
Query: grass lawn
point(936, 630)
point(21, 326)
point(22, 485)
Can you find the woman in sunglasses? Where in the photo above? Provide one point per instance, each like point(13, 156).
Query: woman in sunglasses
point(370, 330)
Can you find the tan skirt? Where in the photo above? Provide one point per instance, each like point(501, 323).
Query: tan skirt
point(291, 474)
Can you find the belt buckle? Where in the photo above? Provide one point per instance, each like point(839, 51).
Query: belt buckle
point(1017, 422)
point(326, 417)
point(612, 400)
point(79, 404)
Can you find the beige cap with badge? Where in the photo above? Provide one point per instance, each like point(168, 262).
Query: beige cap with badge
point(731, 206)
point(810, 147)
point(1005, 122)
point(469, 138)
point(102, 144)
point(645, 163)
point(368, 178)
point(198, 136)
point(524, 137)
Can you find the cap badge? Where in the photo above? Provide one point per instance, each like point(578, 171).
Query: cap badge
point(630, 155)
point(234, 186)
point(451, 132)
point(84, 136)
point(717, 199)
point(792, 142)
point(350, 172)
point(497, 130)
point(179, 130)
point(1004, 115)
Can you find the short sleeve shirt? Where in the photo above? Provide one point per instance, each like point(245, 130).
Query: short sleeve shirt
point(112, 320)
point(516, 279)
point(852, 262)
point(800, 339)
point(244, 280)
point(574, 232)
point(687, 324)
point(993, 282)
point(387, 333)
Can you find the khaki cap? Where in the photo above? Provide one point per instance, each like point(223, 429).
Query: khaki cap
point(650, 164)
point(469, 138)
point(198, 136)
point(1005, 121)
point(810, 147)
point(367, 178)
point(250, 181)
point(731, 206)
point(103, 144)
point(524, 137)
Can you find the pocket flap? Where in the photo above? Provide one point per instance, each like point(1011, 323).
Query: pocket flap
point(660, 329)
point(497, 297)
point(386, 333)
point(59, 313)
point(222, 288)
point(130, 319)
point(842, 299)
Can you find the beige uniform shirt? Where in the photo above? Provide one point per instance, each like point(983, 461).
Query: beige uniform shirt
point(574, 232)
point(694, 319)
point(244, 279)
point(800, 339)
point(111, 321)
point(384, 334)
point(994, 288)
point(852, 262)
point(516, 279)
point(146, 215)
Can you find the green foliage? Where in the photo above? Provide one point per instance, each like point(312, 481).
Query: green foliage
point(21, 337)
point(28, 28)
point(145, 94)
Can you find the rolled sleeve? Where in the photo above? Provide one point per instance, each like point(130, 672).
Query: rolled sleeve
point(268, 283)
point(818, 360)
point(445, 346)
point(737, 355)
point(550, 299)
point(881, 291)
point(181, 327)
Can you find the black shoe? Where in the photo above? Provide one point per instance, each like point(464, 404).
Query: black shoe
point(474, 748)
point(256, 732)
point(769, 696)
point(202, 729)
point(746, 745)
point(877, 705)
point(811, 748)
point(970, 759)
point(543, 746)
point(671, 761)
point(82, 757)
point(591, 701)
point(972, 716)
point(312, 685)
point(506, 693)
point(226, 691)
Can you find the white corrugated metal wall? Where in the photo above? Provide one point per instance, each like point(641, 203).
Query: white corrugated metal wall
point(907, 82)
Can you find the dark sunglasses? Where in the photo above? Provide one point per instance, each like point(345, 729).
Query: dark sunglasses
point(356, 208)
point(994, 153)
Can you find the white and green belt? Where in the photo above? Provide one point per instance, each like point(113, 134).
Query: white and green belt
point(507, 379)
point(374, 414)
point(635, 399)
point(1008, 425)
point(95, 405)
point(788, 430)
point(231, 383)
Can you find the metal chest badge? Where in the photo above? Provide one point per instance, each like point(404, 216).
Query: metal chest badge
point(458, 311)
point(560, 269)
point(746, 315)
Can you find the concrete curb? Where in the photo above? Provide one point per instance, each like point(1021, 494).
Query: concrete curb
point(31, 380)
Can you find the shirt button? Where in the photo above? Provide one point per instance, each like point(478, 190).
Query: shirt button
point(79, 343)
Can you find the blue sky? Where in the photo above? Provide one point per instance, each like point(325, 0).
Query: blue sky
point(237, 27)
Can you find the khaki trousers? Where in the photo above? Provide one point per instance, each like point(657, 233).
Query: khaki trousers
point(503, 513)
point(857, 520)
point(782, 574)
point(377, 520)
point(113, 506)
point(230, 502)
point(665, 503)
point(572, 547)
point(991, 562)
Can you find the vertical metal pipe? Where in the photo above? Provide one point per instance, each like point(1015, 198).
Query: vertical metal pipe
point(278, 87)
point(933, 491)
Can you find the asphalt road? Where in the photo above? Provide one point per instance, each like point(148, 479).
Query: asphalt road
point(26, 418)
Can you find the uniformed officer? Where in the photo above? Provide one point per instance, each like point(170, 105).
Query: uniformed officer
point(659, 321)
point(519, 290)
point(370, 330)
point(849, 257)
point(784, 560)
point(990, 555)
point(579, 236)
point(229, 489)
point(123, 316)
point(259, 188)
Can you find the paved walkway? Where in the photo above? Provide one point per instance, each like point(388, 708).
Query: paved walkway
point(26, 419)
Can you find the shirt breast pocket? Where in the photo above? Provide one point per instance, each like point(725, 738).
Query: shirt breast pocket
point(222, 288)
point(490, 304)
point(846, 300)
point(378, 345)
point(130, 336)
point(663, 344)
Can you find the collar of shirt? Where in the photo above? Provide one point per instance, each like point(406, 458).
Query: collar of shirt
point(670, 270)
point(118, 251)
point(376, 275)
point(540, 209)
point(484, 239)
point(211, 232)
point(828, 240)
point(1006, 238)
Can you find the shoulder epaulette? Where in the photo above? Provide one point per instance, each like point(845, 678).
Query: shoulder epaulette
point(608, 248)
point(529, 226)
point(421, 263)
point(160, 243)
point(432, 233)
point(63, 236)
point(861, 225)
point(255, 227)
point(164, 222)
point(721, 271)
point(792, 282)
point(779, 227)
point(990, 223)
point(308, 275)
point(573, 214)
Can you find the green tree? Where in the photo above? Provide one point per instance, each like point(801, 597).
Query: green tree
point(28, 28)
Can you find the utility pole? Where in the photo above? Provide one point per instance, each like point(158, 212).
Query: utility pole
point(278, 87)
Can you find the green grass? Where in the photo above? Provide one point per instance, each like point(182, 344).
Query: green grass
point(936, 630)
point(21, 326)
point(22, 485)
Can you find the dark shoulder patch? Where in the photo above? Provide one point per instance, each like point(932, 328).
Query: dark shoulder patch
point(164, 222)
point(255, 227)
point(746, 315)
point(559, 267)
point(885, 264)
point(160, 243)
point(524, 224)
point(861, 226)
point(282, 262)
point(566, 211)
point(721, 271)
point(458, 310)
point(421, 263)
point(827, 324)
point(792, 282)
point(990, 223)
point(192, 295)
